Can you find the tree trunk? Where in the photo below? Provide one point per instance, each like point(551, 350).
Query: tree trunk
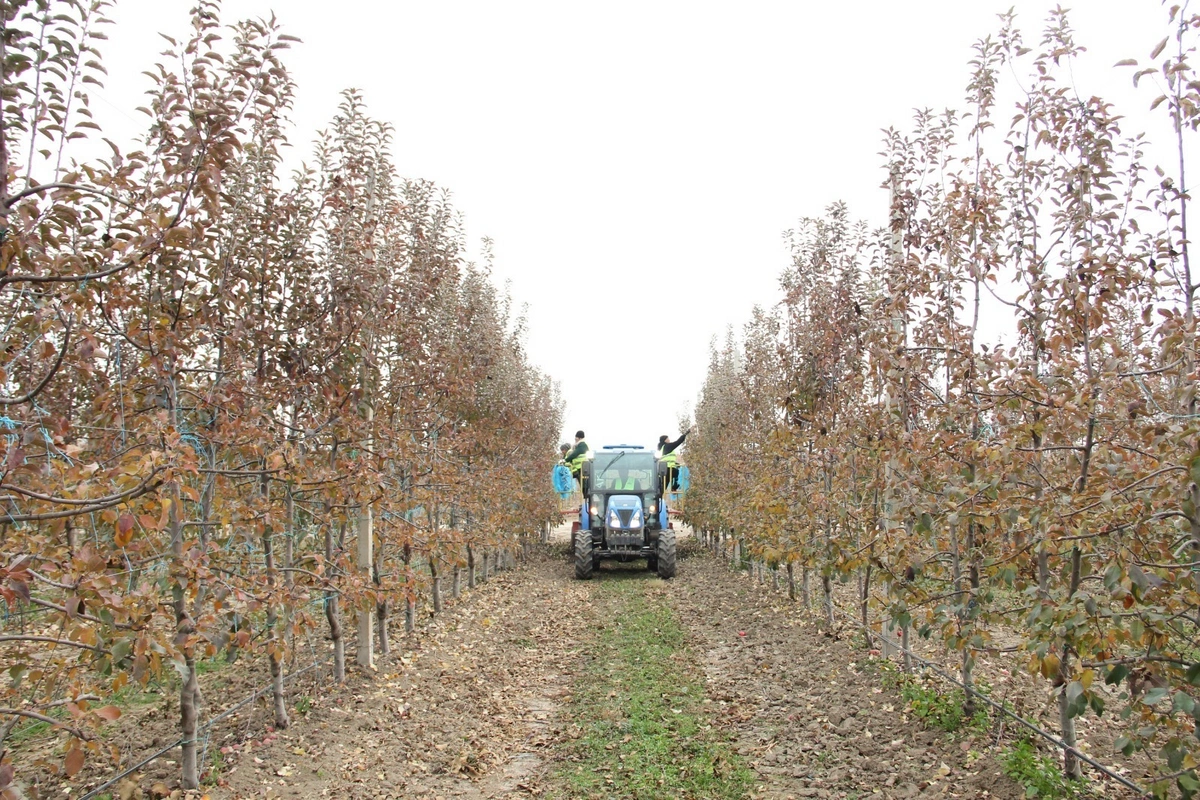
point(410, 592)
point(456, 584)
point(275, 644)
point(333, 614)
point(864, 598)
point(185, 628)
point(437, 584)
point(968, 658)
point(189, 715)
point(470, 567)
point(382, 607)
point(806, 589)
point(289, 562)
point(1071, 766)
point(278, 696)
point(1043, 572)
point(827, 589)
point(364, 654)
point(791, 573)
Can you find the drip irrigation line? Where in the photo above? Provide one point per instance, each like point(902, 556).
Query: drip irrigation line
point(112, 781)
point(206, 727)
point(931, 667)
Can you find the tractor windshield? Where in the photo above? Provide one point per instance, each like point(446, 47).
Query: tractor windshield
point(628, 472)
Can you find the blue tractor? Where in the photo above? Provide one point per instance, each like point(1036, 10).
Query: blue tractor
point(624, 512)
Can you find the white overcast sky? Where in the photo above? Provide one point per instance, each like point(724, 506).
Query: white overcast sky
point(635, 162)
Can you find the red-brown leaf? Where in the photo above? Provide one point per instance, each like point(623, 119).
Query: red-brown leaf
point(109, 713)
point(73, 762)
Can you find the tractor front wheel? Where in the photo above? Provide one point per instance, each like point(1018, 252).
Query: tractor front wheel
point(584, 554)
point(666, 554)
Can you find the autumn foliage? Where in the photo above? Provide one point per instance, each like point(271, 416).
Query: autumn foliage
point(986, 413)
point(215, 380)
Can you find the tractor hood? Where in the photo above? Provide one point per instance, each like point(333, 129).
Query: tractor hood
point(624, 513)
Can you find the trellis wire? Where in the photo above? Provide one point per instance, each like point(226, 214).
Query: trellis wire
point(1059, 743)
point(206, 727)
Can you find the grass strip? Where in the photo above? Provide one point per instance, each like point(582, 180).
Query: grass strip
point(638, 705)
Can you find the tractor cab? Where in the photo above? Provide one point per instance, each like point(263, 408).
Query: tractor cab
point(623, 515)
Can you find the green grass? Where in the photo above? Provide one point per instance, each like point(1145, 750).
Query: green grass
point(23, 733)
point(1040, 775)
point(207, 665)
point(216, 768)
point(132, 695)
point(940, 710)
point(639, 704)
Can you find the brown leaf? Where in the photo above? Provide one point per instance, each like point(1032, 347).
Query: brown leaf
point(74, 760)
point(21, 588)
point(16, 457)
point(124, 532)
point(1158, 48)
point(108, 712)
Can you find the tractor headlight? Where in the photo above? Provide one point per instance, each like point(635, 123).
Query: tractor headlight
point(614, 520)
point(636, 520)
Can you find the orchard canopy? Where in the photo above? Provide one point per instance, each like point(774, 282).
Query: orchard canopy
point(215, 378)
point(238, 407)
point(987, 411)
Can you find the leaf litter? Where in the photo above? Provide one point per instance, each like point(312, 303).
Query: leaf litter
point(477, 704)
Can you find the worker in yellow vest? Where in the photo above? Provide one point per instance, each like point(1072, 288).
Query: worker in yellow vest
point(665, 452)
point(575, 458)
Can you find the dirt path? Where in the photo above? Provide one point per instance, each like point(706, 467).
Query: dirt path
point(482, 707)
point(465, 713)
point(811, 716)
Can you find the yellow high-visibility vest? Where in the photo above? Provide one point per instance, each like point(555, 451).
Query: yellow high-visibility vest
point(576, 463)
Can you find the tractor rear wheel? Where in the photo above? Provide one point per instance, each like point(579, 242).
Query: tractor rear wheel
point(584, 555)
point(666, 553)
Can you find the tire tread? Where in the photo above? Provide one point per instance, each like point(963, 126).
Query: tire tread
point(584, 555)
point(666, 554)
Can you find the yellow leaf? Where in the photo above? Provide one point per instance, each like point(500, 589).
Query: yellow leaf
point(1050, 666)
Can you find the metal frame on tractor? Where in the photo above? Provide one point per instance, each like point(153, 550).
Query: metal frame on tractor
point(624, 514)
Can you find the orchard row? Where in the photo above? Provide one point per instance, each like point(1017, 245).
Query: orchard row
point(235, 407)
point(987, 412)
